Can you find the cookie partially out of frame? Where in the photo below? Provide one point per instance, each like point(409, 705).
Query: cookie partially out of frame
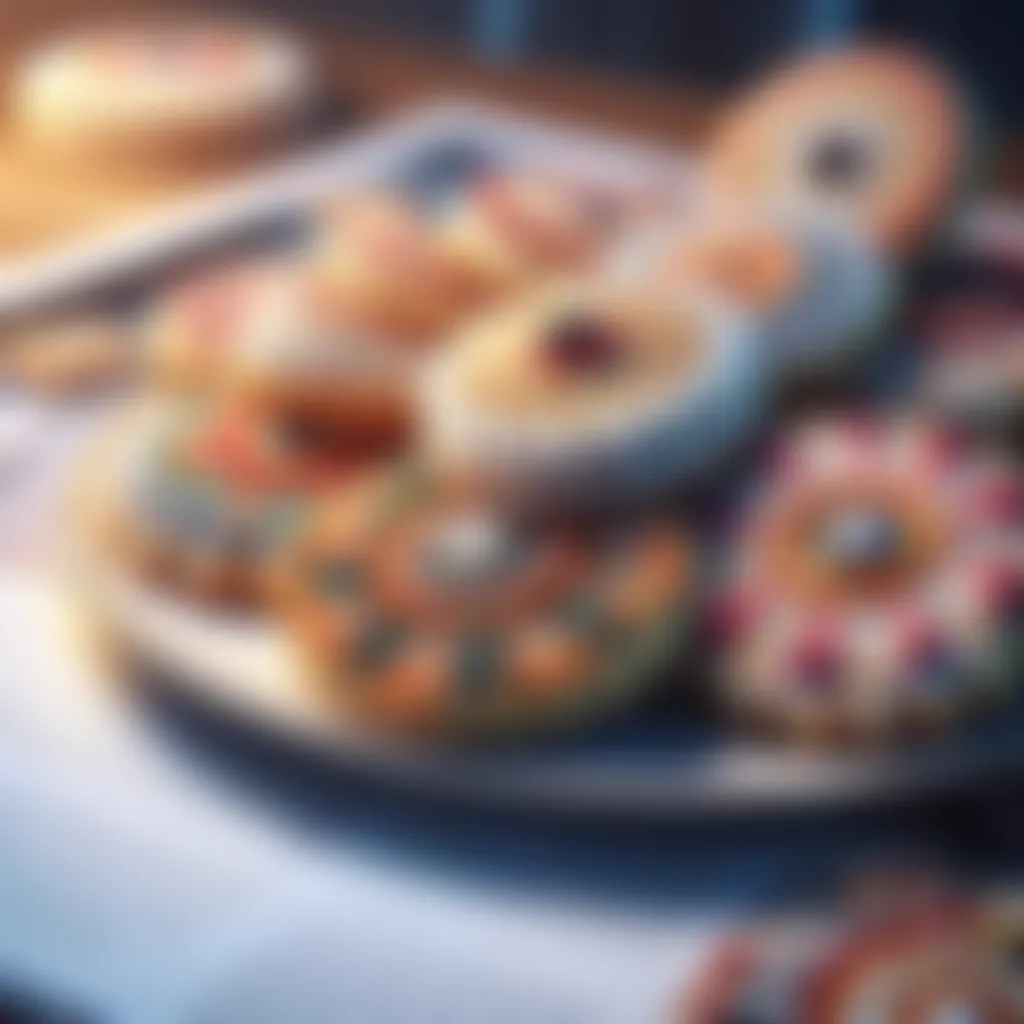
point(422, 610)
point(875, 583)
point(816, 289)
point(878, 132)
point(586, 394)
point(211, 493)
point(933, 963)
point(164, 89)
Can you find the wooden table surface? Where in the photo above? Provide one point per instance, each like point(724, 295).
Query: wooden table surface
point(45, 202)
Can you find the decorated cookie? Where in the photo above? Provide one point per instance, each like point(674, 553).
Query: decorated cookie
point(177, 88)
point(879, 133)
point(875, 583)
point(514, 229)
point(68, 355)
point(422, 609)
point(211, 494)
point(195, 328)
point(817, 291)
point(586, 394)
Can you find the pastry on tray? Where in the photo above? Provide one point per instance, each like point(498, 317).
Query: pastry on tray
point(875, 583)
point(879, 133)
point(163, 89)
point(343, 341)
point(422, 608)
point(585, 395)
point(208, 495)
point(818, 293)
point(513, 229)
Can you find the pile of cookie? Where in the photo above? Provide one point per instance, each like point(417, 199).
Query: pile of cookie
point(917, 950)
point(464, 455)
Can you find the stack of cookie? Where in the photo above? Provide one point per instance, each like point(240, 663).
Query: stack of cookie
point(462, 454)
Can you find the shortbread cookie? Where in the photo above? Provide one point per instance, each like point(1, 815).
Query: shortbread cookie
point(422, 609)
point(876, 583)
point(818, 292)
point(586, 394)
point(879, 133)
point(172, 88)
point(211, 494)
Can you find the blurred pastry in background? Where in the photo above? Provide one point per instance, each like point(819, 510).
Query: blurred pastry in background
point(516, 228)
point(422, 608)
point(585, 395)
point(379, 260)
point(879, 133)
point(875, 584)
point(158, 90)
point(202, 497)
point(819, 295)
point(193, 329)
point(69, 355)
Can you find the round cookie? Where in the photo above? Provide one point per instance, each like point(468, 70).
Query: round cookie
point(422, 610)
point(513, 229)
point(879, 133)
point(818, 292)
point(172, 88)
point(876, 583)
point(211, 494)
point(587, 394)
point(69, 355)
point(194, 329)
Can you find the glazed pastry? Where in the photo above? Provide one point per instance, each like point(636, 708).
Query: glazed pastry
point(68, 356)
point(586, 394)
point(876, 583)
point(422, 609)
point(209, 496)
point(818, 293)
point(514, 229)
point(879, 133)
point(164, 89)
point(934, 964)
point(195, 328)
point(343, 342)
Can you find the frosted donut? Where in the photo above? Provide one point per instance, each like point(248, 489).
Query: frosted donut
point(194, 329)
point(514, 229)
point(586, 394)
point(879, 133)
point(210, 495)
point(818, 292)
point(168, 88)
point(876, 583)
point(421, 609)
